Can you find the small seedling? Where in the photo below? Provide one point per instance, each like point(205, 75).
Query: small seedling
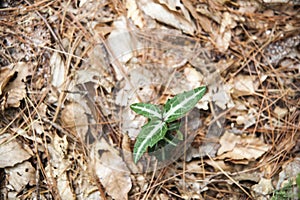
point(162, 120)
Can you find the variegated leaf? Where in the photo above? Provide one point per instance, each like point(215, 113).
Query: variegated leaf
point(150, 134)
point(179, 105)
point(148, 110)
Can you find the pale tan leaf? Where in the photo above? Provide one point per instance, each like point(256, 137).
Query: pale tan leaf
point(112, 171)
point(176, 6)
point(289, 172)
point(16, 89)
point(223, 36)
point(15, 95)
point(58, 71)
point(248, 119)
point(280, 112)
point(6, 73)
point(74, 118)
point(275, 1)
point(20, 175)
point(193, 77)
point(164, 15)
point(11, 152)
point(228, 142)
point(134, 13)
point(122, 43)
point(262, 189)
point(244, 85)
point(236, 147)
point(58, 166)
point(217, 164)
point(223, 40)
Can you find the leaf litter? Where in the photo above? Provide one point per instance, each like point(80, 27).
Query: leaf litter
point(68, 73)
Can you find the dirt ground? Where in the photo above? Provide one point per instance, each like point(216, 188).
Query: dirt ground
point(69, 71)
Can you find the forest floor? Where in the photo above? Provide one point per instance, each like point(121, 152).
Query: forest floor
point(69, 71)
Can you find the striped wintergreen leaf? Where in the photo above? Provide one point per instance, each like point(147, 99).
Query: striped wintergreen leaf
point(179, 105)
point(148, 110)
point(150, 134)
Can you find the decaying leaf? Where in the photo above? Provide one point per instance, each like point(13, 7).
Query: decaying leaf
point(6, 73)
point(95, 74)
point(11, 152)
point(122, 44)
point(58, 166)
point(74, 118)
point(193, 77)
point(244, 85)
point(223, 38)
point(262, 189)
point(111, 170)
point(289, 172)
point(161, 13)
point(177, 6)
point(236, 147)
point(248, 119)
point(135, 13)
point(20, 175)
point(280, 112)
point(58, 71)
point(16, 90)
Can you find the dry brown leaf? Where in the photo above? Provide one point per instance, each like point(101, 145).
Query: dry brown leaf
point(134, 13)
point(275, 1)
point(223, 37)
point(217, 164)
point(236, 147)
point(58, 71)
point(280, 112)
point(11, 152)
point(16, 90)
point(262, 189)
point(289, 172)
point(195, 166)
point(88, 75)
point(243, 85)
point(20, 175)
point(162, 14)
point(122, 43)
point(223, 40)
point(74, 118)
point(248, 119)
point(6, 73)
point(194, 78)
point(177, 6)
point(128, 155)
point(112, 171)
point(15, 95)
point(58, 166)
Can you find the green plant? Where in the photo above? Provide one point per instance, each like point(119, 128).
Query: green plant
point(287, 191)
point(298, 184)
point(162, 120)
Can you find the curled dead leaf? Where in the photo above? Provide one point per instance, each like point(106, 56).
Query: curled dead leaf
point(111, 170)
point(11, 152)
point(15, 90)
point(162, 13)
point(236, 147)
point(75, 119)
